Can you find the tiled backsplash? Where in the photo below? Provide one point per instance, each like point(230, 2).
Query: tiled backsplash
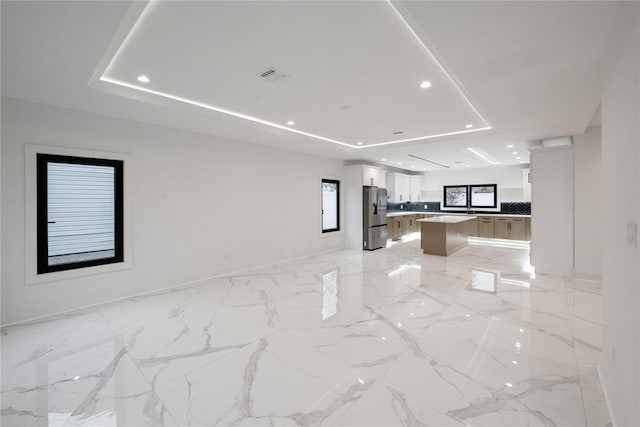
point(515, 208)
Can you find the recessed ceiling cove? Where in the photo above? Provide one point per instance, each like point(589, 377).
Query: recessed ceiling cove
point(349, 73)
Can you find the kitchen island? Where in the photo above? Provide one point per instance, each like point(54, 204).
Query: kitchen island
point(443, 235)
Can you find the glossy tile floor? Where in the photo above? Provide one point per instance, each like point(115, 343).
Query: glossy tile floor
point(391, 337)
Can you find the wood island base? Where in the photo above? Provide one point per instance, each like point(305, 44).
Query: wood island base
point(443, 235)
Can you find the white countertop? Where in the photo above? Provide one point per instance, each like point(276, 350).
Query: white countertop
point(394, 214)
point(448, 219)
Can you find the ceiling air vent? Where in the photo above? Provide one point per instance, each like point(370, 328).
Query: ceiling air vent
point(429, 161)
point(272, 74)
point(398, 132)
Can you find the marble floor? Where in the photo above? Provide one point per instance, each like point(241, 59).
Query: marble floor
point(390, 337)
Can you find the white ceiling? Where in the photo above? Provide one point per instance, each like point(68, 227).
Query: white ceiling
point(343, 78)
point(531, 69)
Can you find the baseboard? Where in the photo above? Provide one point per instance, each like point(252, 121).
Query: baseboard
point(159, 290)
point(590, 277)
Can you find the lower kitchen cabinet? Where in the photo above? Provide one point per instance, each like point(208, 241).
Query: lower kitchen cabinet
point(501, 228)
point(392, 232)
point(404, 225)
point(410, 224)
point(517, 229)
point(472, 228)
point(486, 226)
point(510, 228)
point(396, 227)
point(498, 227)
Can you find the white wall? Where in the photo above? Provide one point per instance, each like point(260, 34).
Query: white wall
point(202, 206)
point(508, 178)
point(587, 204)
point(552, 210)
point(353, 206)
point(620, 362)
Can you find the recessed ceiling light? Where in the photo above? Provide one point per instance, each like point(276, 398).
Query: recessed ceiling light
point(384, 160)
point(291, 123)
point(359, 143)
point(400, 163)
point(514, 152)
point(467, 166)
point(424, 169)
point(469, 126)
point(425, 84)
point(510, 146)
point(521, 161)
point(413, 166)
point(143, 79)
point(518, 158)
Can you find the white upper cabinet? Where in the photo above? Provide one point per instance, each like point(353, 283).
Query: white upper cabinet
point(374, 176)
point(415, 183)
point(404, 188)
point(382, 178)
point(398, 187)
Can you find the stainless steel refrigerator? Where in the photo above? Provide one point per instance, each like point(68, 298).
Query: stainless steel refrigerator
point(374, 221)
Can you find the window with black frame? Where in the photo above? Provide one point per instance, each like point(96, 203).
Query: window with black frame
point(79, 212)
point(330, 205)
point(483, 196)
point(455, 196)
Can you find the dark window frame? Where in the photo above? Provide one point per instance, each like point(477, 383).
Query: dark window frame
point(42, 160)
point(337, 182)
point(495, 196)
point(445, 188)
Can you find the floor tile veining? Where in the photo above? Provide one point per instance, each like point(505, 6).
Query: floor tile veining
point(390, 337)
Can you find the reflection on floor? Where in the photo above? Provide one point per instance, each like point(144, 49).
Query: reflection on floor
point(390, 337)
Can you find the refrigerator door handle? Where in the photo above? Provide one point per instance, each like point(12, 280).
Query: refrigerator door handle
point(375, 209)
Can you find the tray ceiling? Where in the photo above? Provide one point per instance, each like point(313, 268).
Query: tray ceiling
point(314, 68)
